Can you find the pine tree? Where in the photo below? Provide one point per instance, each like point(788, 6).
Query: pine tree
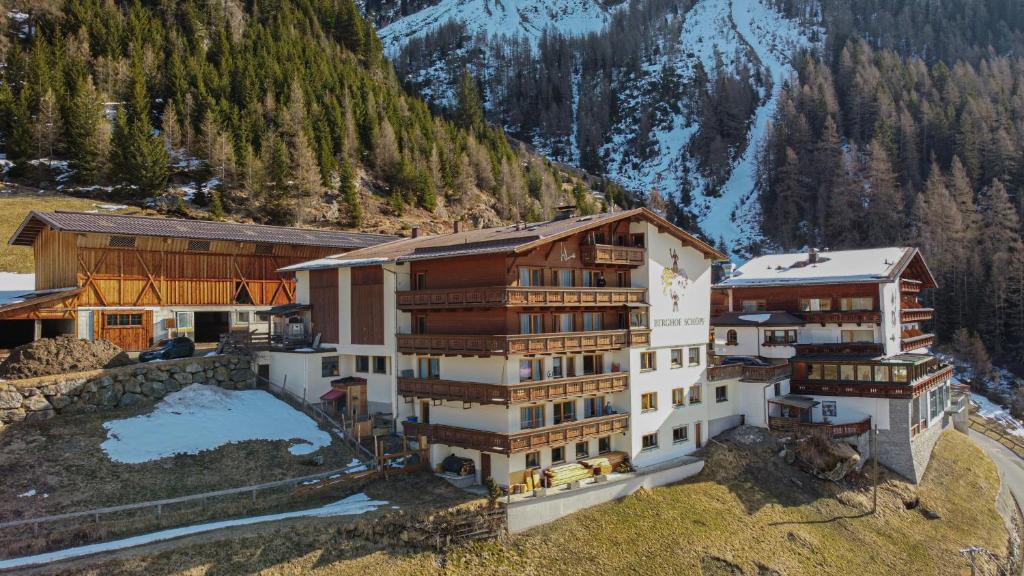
point(469, 112)
point(87, 134)
point(216, 208)
point(885, 204)
point(350, 194)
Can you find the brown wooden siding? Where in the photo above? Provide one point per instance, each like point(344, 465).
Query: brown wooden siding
point(788, 297)
point(323, 297)
point(127, 337)
point(367, 305)
point(55, 260)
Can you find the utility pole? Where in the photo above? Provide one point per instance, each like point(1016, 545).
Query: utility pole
point(971, 553)
point(874, 469)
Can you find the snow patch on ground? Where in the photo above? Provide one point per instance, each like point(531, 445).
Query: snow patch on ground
point(27, 494)
point(202, 417)
point(992, 411)
point(351, 506)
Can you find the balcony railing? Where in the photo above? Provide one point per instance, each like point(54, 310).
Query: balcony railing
point(916, 314)
point(850, 348)
point(547, 343)
point(511, 394)
point(915, 342)
point(869, 389)
point(592, 254)
point(500, 296)
point(499, 443)
point(910, 286)
point(830, 430)
point(842, 317)
point(748, 373)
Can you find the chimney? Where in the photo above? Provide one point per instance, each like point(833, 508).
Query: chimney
point(458, 226)
point(415, 231)
point(812, 256)
point(565, 212)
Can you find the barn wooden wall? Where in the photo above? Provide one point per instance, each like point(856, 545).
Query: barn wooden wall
point(367, 305)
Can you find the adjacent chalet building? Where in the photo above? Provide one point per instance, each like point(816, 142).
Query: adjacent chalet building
point(518, 347)
point(843, 348)
point(136, 279)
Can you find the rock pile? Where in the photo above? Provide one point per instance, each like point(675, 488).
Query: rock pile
point(61, 355)
point(43, 398)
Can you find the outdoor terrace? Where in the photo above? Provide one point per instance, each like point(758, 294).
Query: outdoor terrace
point(499, 443)
point(511, 394)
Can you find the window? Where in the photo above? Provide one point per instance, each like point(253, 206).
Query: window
point(779, 337)
point(696, 395)
point(531, 417)
point(648, 401)
point(564, 412)
point(680, 434)
point(637, 240)
point(846, 372)
point(199, 245)
point(731, 338)
point(828, 409)
point(362, 363)
point(638, 318)
point(531, 323)
point(591, 321)
point(858, 303)
point(419, 324)
point(722, 393)
point(863, 373)
point(649, 441)
point(260, 317)
point(429, 367)
point(564, 322)
point(777, 389)
point(647, 361)
point(533, 459)
point(858, 335)
point(755, 306)
point(531, 277)
point(899, 373)
point(588, 278)
point(380, 364)
point(562, 278)
point(531, 370)
point(815, 304)
point(881, 373)
point(242, 317)
point(558, 367)
point(122, 242)
point(582, 450)
point(593, 364)
point(558, 454)
point(678, 397)
point(329, 366)
point(123, 319)
point(677, 357)
point(421, 281)
point(830, 372)
point(933, 402)
point(593, 407)
point(693, 356)
point(604, 444)
point(620, 279)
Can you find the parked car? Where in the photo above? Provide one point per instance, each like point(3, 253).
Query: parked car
point(748, 360)
point(180, 347)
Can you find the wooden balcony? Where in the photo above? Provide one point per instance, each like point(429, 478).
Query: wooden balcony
point(596, 254)
point(830, 430)
point(915, 342)
point(842, 317)
point(916, 314)
point(511, 394)
point(908, 286)
point(547, 343)
point(847, 348)
point(527, 440)
point(507, 296)
point(872, 389)
point(748, 373)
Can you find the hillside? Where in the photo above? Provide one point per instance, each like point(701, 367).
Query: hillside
point(280, 113)
point(743, 515)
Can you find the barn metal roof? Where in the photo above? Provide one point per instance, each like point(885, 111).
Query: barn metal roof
point(88, 222)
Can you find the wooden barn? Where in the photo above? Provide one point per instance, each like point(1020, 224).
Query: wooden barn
point(137, 279)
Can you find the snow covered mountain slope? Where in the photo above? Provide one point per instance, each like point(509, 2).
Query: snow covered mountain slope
point(652, 139)
point(500, 17)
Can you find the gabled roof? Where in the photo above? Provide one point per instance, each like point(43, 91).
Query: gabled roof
point(93, 223)
point(513, 239)
point(776, 318)
point(870, 265)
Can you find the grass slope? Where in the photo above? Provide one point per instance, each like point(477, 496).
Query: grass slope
point(731, 519)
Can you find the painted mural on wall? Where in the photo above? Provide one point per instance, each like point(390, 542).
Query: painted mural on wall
point(674, 280)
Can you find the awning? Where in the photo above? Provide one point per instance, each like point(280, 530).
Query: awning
point(285, 309)
point(348, 381)
point(333, 394)
point(793, 401)
point(32, 304)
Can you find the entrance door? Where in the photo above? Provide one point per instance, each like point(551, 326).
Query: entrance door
point(210, 325)
point(697, 435)
point(485, 466)
point(425, 412)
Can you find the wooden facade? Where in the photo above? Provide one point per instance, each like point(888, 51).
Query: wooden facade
point(511, 394)
point(367, 305)
point(323, 289)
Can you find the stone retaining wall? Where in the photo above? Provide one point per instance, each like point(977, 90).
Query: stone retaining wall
point(84, 392)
